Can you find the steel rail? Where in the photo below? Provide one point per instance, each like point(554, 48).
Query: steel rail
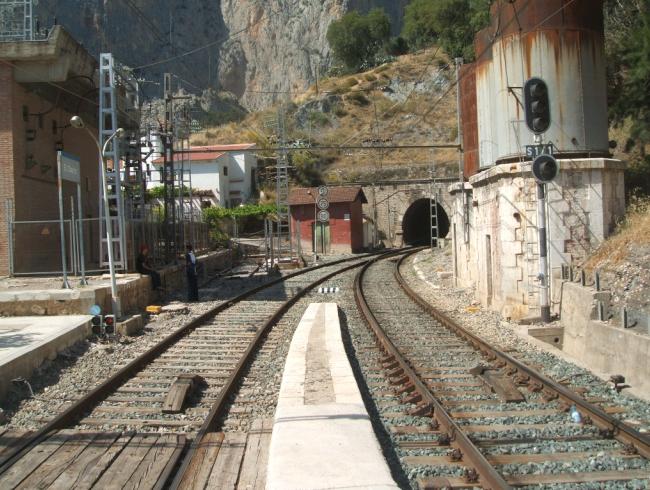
point(619, 430)
point(220, 404)
point(76, 411)
point(488, 476)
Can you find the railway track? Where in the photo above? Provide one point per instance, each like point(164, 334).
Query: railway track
point(125, 416)
point(461, 413)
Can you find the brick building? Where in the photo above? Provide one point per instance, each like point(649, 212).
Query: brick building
point(43, 83)
point(344, 231)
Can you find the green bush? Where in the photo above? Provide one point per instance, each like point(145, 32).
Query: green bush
point(340, 111)
point(356, 39)
point(358, 98)
point(318, 119)
point(450, 23)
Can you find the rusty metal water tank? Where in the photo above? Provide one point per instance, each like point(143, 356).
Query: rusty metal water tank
point(561, 41)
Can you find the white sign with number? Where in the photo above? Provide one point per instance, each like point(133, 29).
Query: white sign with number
point(323, 216)
point(323, 191)
point(323, 203)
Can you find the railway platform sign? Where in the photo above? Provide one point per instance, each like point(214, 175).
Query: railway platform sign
point(323, 216)
point(533, 151)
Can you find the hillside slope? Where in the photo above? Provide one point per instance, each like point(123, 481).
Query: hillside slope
point(251, 48)
point(410, 101)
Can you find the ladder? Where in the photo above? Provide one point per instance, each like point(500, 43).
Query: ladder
point(284, 245)
point(108, 123)
point(531, 248)
point(433, 215)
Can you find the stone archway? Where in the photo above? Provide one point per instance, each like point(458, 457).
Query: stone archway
point(416, 223)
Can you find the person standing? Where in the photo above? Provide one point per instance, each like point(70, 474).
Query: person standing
point(192, 276)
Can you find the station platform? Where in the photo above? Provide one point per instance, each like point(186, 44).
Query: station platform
point(26, 342)
point(322, 436)
point(36, 296)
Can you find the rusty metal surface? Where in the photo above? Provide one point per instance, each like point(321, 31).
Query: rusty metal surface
point(469, 119)
point(562, 43)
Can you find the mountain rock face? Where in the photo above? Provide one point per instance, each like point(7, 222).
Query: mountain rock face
point(257, 49)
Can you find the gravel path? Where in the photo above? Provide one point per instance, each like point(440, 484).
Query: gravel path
point(428, 273)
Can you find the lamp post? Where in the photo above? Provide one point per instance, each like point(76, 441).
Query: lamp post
point(77, 122)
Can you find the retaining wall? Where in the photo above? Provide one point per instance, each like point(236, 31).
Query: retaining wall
point(604, 348)
point(135, 292)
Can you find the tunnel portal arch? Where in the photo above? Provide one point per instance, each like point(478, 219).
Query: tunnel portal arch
point(416, 223)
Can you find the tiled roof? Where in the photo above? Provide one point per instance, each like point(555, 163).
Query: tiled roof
point(205, 153)
point(240, 146)
point(306, 195)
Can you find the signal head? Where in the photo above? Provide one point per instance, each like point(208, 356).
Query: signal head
point(545, 168)
point(536, 105)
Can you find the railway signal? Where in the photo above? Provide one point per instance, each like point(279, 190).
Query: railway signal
point(96, 324)
point(109, 324)
point(545, 168)
point(536, 104)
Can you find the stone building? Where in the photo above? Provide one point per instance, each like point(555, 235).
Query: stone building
point(494, 217)
point(43, 83)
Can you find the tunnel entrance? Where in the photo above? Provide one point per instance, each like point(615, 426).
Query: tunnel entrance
point(416, 228)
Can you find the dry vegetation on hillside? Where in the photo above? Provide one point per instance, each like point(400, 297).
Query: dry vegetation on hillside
point(624, 261)
point(411, 101)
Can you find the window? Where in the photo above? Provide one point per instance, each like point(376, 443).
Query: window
point(346, 217)
point(225, 170)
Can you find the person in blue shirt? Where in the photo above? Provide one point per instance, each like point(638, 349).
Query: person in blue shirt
point(192, 276)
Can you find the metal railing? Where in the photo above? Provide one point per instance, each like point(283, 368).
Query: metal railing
point(34, 246)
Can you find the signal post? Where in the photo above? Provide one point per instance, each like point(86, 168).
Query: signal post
point(545, 169)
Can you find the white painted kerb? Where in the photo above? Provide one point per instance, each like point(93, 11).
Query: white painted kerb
point(325, 446)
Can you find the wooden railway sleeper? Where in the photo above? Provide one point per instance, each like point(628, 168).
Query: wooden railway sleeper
point(456, 455)
point(412, 398)
point(422, 410)
point(407, 388)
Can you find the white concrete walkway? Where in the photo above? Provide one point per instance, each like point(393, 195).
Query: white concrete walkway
point(322, 437)
point(27, 341)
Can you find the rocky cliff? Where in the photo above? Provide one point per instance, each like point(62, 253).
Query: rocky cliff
point(256, 49)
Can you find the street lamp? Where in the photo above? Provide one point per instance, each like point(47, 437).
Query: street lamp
point(78, 123)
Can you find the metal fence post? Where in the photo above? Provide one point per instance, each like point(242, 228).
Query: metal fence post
point(10, 235)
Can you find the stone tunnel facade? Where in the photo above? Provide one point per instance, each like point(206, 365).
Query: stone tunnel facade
point(400, 209)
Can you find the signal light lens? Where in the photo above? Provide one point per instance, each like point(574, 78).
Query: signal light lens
point(96, 324)
point(545, 168)
point(109, 324)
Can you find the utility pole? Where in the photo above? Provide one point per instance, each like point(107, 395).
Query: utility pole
point(459, 139)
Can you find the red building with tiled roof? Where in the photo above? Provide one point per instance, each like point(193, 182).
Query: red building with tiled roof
point(344, 231)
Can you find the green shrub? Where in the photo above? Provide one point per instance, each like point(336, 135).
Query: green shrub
point(356, 39)
point(358, 98)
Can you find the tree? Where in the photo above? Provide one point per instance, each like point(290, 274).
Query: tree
point(450, 23)
point(356, 39)
point(627, 42)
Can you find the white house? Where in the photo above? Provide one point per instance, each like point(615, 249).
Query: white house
point(228, 171)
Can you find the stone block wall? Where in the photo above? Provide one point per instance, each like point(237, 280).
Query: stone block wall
point(500, 257)
point(602, 346)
